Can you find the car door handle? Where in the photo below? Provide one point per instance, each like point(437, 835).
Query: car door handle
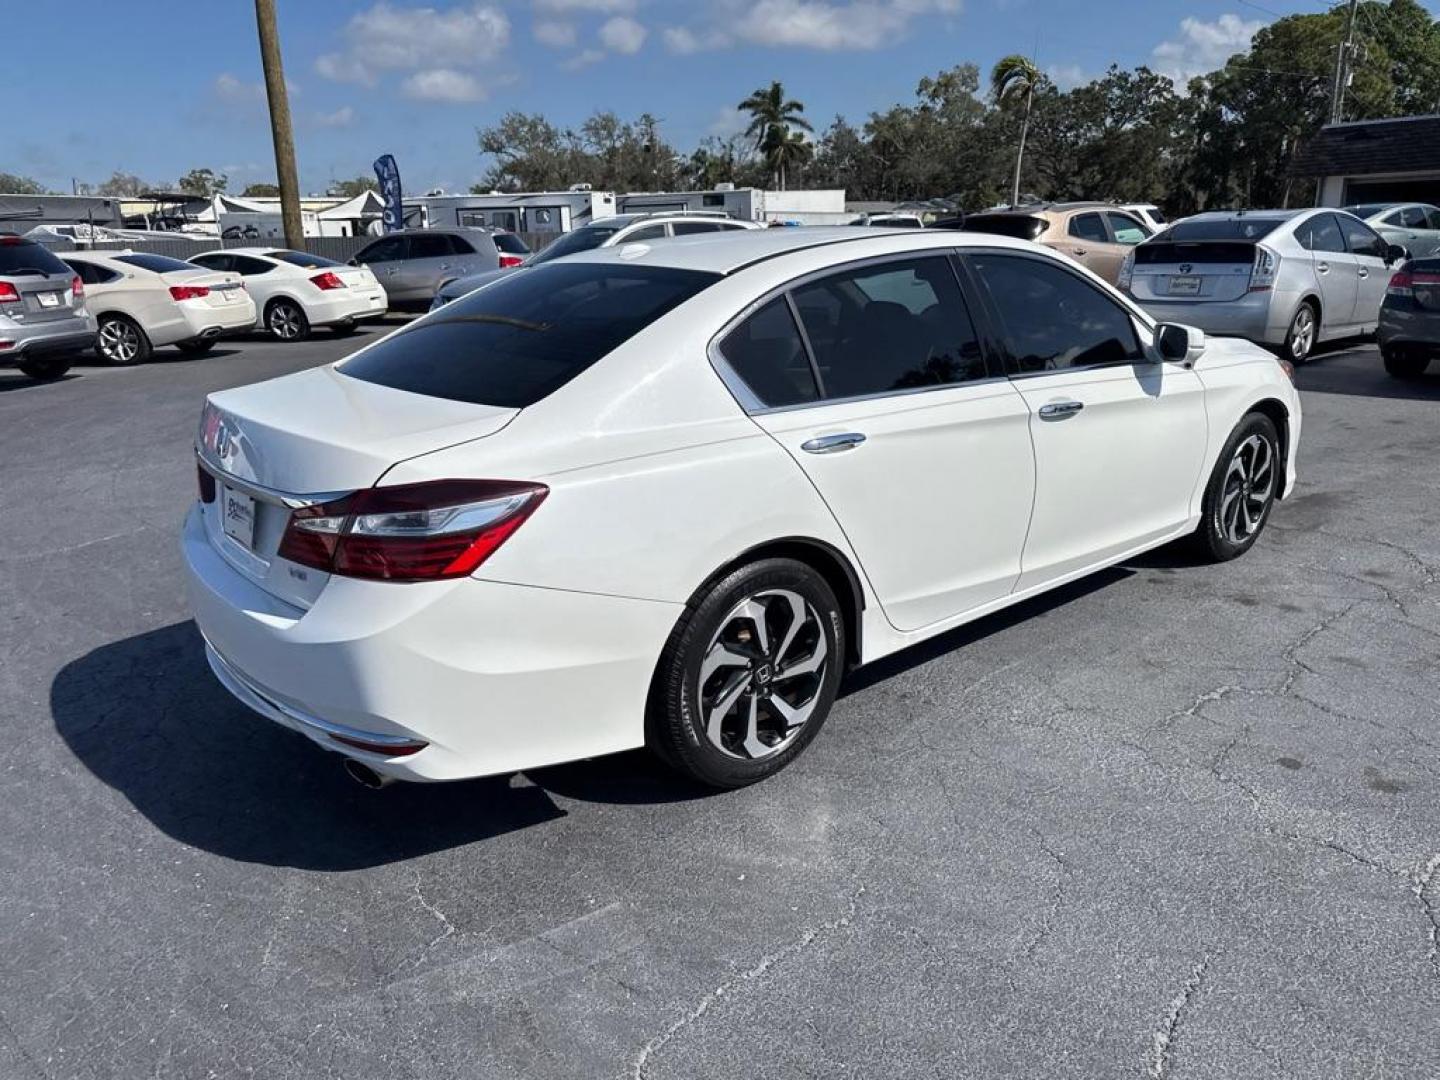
point(1077, 251)
point(1323, 268)
point(1059, 410)
point(1364, 272)
point(832, 444)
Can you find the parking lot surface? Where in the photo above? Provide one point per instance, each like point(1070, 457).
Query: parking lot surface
point(1172, 821)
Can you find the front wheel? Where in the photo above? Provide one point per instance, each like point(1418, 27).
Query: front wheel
point(748, 675)
point(1404, 363)
point(286, 320)
point(1241, 490)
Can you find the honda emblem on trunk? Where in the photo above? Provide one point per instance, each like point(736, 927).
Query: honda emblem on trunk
point(1185, 268)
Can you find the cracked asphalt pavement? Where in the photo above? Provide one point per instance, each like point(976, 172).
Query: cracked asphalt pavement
point(1172, 821)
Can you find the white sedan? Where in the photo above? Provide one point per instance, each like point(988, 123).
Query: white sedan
point(296, 291)
point(667, 494)
point(142, 301)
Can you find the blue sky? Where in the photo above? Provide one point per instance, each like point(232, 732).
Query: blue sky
point(174, 91)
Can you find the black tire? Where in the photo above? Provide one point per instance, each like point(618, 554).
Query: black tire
point(1404, 363)
point(1295, 336)
point(344, 329)
point(286, 320)
point(677, 730)
point(198, 347)
point(120, 341)
point(46, 368)
point(1222, 534)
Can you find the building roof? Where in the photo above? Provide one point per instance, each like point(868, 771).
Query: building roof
point(1363, 147)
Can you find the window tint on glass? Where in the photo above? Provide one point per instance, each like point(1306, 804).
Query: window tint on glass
point(1320, 233)
point(1127, 230)
point(1089, 227)
point(1231, 228)
point(766, 351)
point(511, 244)
point(1432, 217)
point(690, 228)
point(429, 246)
point(893, 326)
point(1361, 239)
point(386, 250)
point(582, 239)
point(303, 259)
point(160, 264)
point(91, 273)
point(24, 257)
point(214, 260)
point(649, 232)
point(249, 266)
point(1054, 319)
point(1412, 217)
point(514, 342)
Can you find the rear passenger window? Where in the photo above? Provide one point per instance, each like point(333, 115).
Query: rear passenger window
point(1432, 218)
point(459, 245)
point(649, 232)
point(894, 326)
point(690, 228)
point(1320, 233)
point(766, 352)
point(1053, 318)
point(1089, 227)
point(386, 250)
point(250, 267)
point(433, 246)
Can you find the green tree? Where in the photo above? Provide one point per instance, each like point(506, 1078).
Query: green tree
point(12, 184)
point(777, 124)
point(261, 191)
point(204, 182)
point(348, 189)
point(1015, 78)
point(122, 185)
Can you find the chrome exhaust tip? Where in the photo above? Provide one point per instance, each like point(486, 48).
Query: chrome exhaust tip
point(365, 776)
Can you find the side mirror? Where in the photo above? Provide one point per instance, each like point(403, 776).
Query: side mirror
point(352, 262)
point(1179, 344)
point(1395, 253)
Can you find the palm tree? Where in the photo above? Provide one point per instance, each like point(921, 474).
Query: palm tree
point(1016, 77)
point(776, 124)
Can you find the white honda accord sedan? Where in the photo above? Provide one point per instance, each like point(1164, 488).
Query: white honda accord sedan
point(668, 495)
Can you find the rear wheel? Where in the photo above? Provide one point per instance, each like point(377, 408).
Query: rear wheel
point(1404, 363)
point(749, 674)
point(1304, 330)
point(197, 347)
point(1241, 491)
point(286, 320)
point(121, 341)
point(46, 368)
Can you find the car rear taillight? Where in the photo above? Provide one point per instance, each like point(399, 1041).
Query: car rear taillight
point(77, 288)
point(327, 280)
point(1127, 272)
point(411, 532)
point(206, 483)
point(1264, 270)
point(509, 262)
point(1402, 283)
point(8, 293)
point(189, 292)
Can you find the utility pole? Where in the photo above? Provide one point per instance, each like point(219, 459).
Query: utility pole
point(1342, 67)
point(280, 129)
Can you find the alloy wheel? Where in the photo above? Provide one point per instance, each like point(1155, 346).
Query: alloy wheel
point(1302, 333)
point(285, 321)
point(1249, 485)
point(761, 675)
point(118, 341)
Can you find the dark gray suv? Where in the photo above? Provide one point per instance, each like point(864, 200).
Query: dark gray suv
point(43, 322)
point(412, 264)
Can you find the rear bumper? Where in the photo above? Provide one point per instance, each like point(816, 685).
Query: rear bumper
point(22, 341)
point(200, 320)
point(352, 304)
point(494, 677)
point(1260, 317)
point(1404, 322)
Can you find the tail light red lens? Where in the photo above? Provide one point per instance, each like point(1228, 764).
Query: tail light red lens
point(412, 532)
point(509, 262)
point(188, 292)
point(8, 293)
point(77, 288)
point(326, 281)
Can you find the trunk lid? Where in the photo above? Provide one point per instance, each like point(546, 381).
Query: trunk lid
point(225, 288)
point(355, 277)
point(42, 299)
point(1197, 271)
point(316, 432)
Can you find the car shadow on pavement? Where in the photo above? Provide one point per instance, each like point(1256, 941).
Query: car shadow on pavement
point(1317, 377)
point(146, 717)
point(18, 380)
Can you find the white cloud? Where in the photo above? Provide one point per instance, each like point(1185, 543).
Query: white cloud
point(605, 6)
point(584, 59)
point(236, 91)
point(623, 35)
point(827, 25)
point(441, 48)
point(728, 121)
point(1067, 76)
point(557, 35)
point(341, 117)
point(444, 85)
point(1203, 46)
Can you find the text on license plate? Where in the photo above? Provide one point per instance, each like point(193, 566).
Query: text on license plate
point(237, 516)
point(1185, 286)
point(49, 299)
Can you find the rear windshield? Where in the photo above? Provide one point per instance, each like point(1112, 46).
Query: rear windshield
point(521, 339)
point(161, 264)
point(591, 236)
point(1219, 251)
point(24, 257)
point(1019, 226)
point(1237, 228)
point(302, 259)
point(509, 243)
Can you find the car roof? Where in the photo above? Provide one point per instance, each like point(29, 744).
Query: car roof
point(727, 252)
point(1264, 215)
point(619, 221)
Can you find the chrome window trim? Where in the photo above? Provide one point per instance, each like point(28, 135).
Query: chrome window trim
point(263, 493)
point(747, 398)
